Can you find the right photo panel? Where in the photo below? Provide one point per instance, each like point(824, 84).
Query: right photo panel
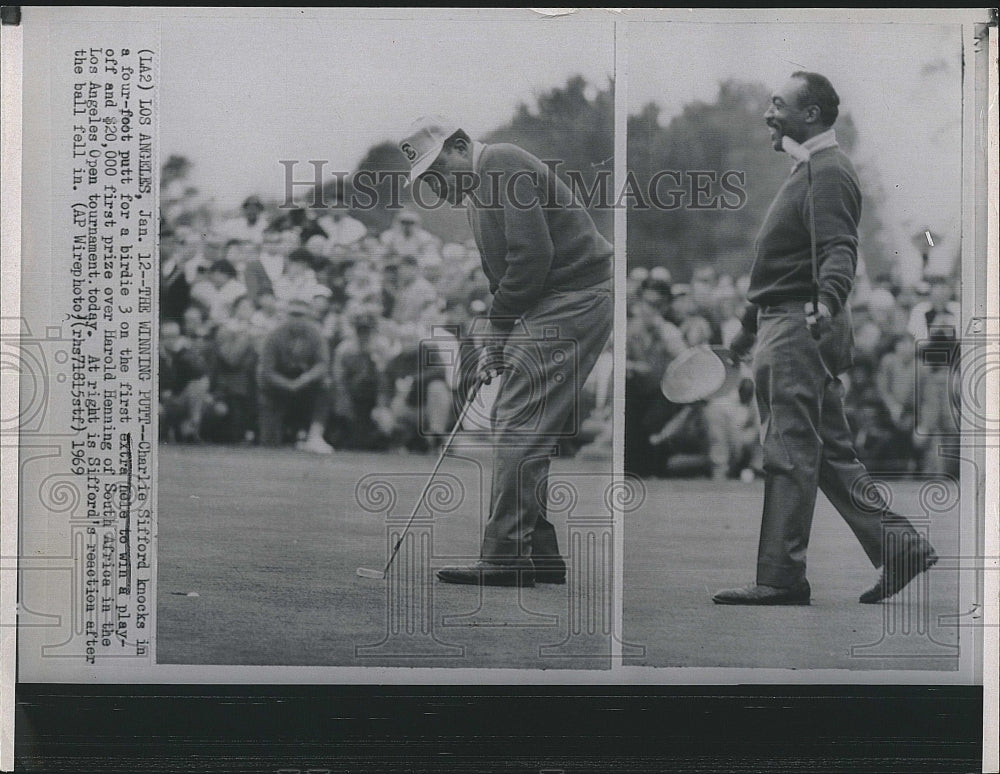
point(795, 228)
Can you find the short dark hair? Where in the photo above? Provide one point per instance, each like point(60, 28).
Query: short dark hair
point(819, 91)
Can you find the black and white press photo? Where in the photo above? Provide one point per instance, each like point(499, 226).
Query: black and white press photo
point(798, 251)
point(393, 332)
point(377, 431)
point(378, 345)
point(529, 380)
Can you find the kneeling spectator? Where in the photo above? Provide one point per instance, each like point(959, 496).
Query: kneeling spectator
point(184, 386)
point(293, 381)
point(356, 381)
point(415, 403)
point(233, 378)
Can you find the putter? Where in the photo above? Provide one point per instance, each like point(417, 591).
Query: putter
point(802, 155)
point(365, 572)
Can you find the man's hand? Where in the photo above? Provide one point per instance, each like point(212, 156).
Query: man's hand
point(817, 320)
point(742, 344)
point(490, 361)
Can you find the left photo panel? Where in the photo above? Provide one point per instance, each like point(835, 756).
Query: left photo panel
point(316, 345)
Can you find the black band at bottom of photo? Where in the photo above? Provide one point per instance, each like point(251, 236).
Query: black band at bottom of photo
point(362, 728)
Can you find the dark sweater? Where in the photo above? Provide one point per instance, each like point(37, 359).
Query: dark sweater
point(782, 269)
point(533, 236)
point(290, 350)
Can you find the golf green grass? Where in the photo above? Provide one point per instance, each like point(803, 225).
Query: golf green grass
point(692, 538)
point(258, 552)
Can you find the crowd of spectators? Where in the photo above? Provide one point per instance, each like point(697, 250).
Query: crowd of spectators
point(303, 327)
point(899, 401)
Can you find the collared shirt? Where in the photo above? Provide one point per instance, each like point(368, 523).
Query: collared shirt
point(821, 141)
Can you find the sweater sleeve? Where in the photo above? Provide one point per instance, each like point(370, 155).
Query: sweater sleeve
point(838, 211)
point(529, 248)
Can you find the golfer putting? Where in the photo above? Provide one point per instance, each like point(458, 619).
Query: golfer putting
point(367, 572)
point(549, 270)
point(803, 271)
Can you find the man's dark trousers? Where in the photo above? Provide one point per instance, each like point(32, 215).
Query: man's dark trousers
point(808, 443)
point(538, 394)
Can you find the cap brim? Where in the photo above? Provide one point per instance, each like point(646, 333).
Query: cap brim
point(421, 165)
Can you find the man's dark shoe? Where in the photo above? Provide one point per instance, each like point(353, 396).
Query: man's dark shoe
point(755, 594)
point(900, 569)
point(484, 573)
point(550, 570)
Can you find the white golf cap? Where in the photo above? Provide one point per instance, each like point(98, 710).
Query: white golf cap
point(424, 142)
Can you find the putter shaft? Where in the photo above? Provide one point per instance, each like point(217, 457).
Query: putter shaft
point(445, 447)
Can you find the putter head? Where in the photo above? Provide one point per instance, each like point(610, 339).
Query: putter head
point(364, 572)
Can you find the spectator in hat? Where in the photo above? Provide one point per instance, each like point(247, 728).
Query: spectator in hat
point(293, 381)
point(218, 291)
point(406, 237)
point(249, 225)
